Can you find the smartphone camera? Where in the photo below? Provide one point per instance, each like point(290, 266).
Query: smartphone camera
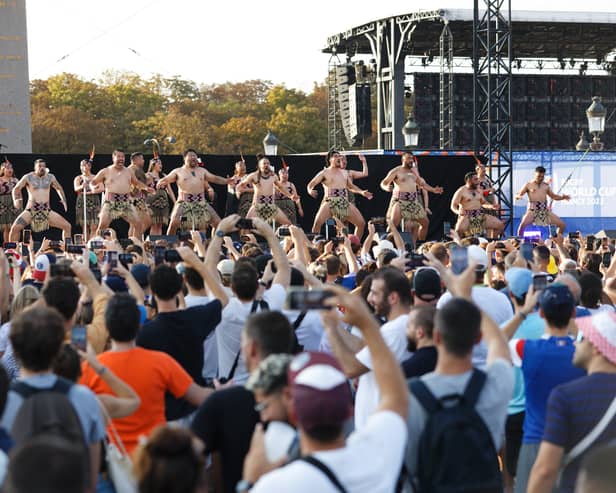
point(304, 299)
point(283, 231)
point(526, 249)
point(183, 235)
point(79, 337)
point(172, 256)
point(125, 259)
point(459, 259)
point(159, 254)
point(27, 235)
point(112, 260)
point(61, 270)
point(96, 245)
point(540, 282)
point(78, 249)
point(606, 259)
point(10, 244)
point(244, 224)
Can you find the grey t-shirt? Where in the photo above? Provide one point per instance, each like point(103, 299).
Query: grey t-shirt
point(492, 403)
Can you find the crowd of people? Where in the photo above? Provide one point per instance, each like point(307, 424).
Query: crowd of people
point(260, 357)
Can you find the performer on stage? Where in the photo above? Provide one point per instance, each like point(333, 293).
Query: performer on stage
point(406, 204)
point(191, 204)
point(83, 184)
point(538, 212)
point(38, 212)
point(354, 174)
point(487, 189)
point(139, 197)
point(468, 203)
point(284, 203)
point(158, 202)
point(266, 183)
point(8, 212)
point(232, 203)
point(118, 203)
point(336, 204)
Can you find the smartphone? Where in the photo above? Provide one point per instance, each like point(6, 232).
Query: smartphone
point(96, 245)
point(606, 259)
point(159, 254)
point(574, 236)
point(10, 244)
point(526, 249)
point(446, 229)
point(553, 231)
point(540, 282)
point(183, 235)
point(96, 272)
point(61, 270)
point(244, 224)
point(126, 258)
point(416, 260)
point(55, 244)
point(74, 249)
point(78, 239)
point(172, 256)
point(68, 241)
point(112, 259)
point(107, 233)
point(459, 259)
point(283, 231)
point(590, 242)
point(79, 337)
point(27, 235)
point(305, 299)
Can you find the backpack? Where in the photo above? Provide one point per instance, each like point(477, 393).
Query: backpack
point(456, 453)
point(297, 347)
point(48, 411)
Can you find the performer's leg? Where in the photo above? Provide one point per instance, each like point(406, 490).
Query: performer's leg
point(394, 214)
point(252, 212)
point(357, 219)
point(423, 228)
point(133, 218)
point(174, 220)
point(57, 221)
point(462, 225)
point(156, 229)
point(104, 219)
point(495, 225)
point(322, 215)
point(558, 222)
point(215, 217)
point(526, 220)
point(281, 218)
point(18, 225)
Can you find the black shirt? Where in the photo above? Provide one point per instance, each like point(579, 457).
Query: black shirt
point(180, 334)
point(225, 422)
point(423, 361)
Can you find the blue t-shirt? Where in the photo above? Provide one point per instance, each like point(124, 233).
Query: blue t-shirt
point(573, 410)
point(546, 363)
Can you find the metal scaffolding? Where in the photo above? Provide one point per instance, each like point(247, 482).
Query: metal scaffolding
point(334, 128)
point(446, 88)
point(492, 63)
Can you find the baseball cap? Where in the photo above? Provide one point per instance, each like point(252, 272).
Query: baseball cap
point(518, 280)
point(116, 284)
point(427, 284)
point(556, 298)
point(41, 266)
point(319, 389)
point(354, 239)
point(225, 267)
point(141, 273)
point(477, 254)
point(383, 245)
point(600, 330)
point(271, 374)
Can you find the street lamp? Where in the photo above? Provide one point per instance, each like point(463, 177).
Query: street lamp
point(410, 131)
point(270, 144)
point(582, 144)
point(596, 113)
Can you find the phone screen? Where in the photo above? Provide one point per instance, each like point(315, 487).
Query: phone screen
point(540, 282)
point(79, 239)
point(79, 337)
point(159, 254)
point(112, 259)
point(459, 259)
point(27, 235)
point(526, 249)
point(607, 259)
point(304, 299)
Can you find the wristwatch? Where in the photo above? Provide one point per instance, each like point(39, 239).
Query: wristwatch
point(243, 486)
point(220, 233)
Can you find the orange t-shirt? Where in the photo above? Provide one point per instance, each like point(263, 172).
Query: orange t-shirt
point(150, 374)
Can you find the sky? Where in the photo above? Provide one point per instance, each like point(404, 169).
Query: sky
point(212, 41)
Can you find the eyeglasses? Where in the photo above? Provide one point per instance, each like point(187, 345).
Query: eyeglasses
point(261, 406)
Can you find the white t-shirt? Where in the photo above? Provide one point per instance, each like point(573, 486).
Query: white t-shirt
point(495, 304)
point(310, 331)
point(229, 330)
point(195, 300)
point(368, 394)
point(370, 462)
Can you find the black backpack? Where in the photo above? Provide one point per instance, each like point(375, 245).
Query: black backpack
point(456, 453)
point(49, 412)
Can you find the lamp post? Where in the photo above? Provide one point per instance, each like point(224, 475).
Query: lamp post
point(410, 131)
point(270, 144)
point(582, 144)
point(596, 113)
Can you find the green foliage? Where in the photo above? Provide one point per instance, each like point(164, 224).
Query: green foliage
point(121, 109)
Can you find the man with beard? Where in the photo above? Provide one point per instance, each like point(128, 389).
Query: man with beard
point(118, 205)
point(37, 212)
point(405, 203)
point(468, 203)
point(337, 184)
point(538, 212)
point(419, 334)
point(390, 296)
point(191, 204)
point(265, 183)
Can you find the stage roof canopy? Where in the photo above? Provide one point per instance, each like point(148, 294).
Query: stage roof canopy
point(535, 34)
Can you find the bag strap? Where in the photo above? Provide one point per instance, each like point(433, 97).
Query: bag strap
point(299, 320)
point(585, 442)
point(61, 385)
point(114, 433)
point(474, 386)
point(313, 461)
point(424, 396)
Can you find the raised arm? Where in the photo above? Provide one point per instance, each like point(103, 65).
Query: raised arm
point(211, 177)
point(16, 193)
point(60, 191)
point(210, 277)
point(555, 196)
point(283, 269)
point(387, 183)
point(166, 180)
point(364, 169)
point(226, 226)
point(424, 184)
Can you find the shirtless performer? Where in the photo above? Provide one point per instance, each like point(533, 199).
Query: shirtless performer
point(354, 174)
point(336, 204)
point(538, 212)
point(37, 212)
point(192, 181)
point(117, 203)
point(405, 204)
point(81, 183)
point(265, 184)
point(469, 204)
point(137, 163)
point(487, 189)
